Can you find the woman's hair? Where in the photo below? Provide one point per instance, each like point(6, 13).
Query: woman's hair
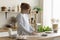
point(25, 6)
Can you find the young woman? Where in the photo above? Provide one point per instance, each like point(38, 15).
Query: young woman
point(24, 28)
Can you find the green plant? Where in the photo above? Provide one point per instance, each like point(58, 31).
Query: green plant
point(43, 29)
point(40, 29)
point(37, 9)
point(47, 28)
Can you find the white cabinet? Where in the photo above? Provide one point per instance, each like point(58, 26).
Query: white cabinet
point(2, 19)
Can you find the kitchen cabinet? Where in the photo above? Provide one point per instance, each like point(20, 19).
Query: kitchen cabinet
point(4, 17)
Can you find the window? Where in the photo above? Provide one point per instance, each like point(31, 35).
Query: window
point(47, 5)
point(56, 10)
point(51, 9)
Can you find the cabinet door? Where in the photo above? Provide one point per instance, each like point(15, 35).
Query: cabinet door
point(2, 19)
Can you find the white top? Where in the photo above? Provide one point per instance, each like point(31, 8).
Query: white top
point(23, 24)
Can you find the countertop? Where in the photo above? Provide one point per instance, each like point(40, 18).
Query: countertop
point(39, 36)
point(6, 34)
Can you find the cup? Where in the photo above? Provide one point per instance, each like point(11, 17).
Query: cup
point(55, 28)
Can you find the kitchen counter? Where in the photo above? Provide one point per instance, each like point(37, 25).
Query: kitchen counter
point(51, 36)
point(6, 34)
point(38, 36)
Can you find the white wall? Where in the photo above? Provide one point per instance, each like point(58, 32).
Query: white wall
point(47, 12)
point(14, 3)
point(10, 3)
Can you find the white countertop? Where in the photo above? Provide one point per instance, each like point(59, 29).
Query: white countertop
point(6, 34)
point(38, 36)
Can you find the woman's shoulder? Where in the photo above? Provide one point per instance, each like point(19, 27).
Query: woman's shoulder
point(20, 15)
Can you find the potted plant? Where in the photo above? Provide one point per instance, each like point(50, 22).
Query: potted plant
point(40, 28)
point(37, 9)
point(44, 29)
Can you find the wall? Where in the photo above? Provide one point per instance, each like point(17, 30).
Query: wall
point(14, 3)
point(10, 3)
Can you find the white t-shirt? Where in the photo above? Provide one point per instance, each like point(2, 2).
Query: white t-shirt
point(23, 24)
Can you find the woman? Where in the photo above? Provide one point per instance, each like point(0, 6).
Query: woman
point(24, 28)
